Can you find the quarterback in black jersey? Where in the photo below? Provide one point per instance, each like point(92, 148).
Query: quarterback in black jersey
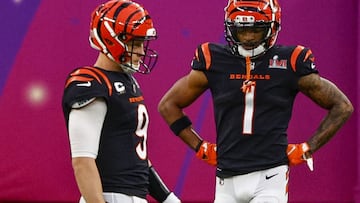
point(105, 113)
point(253, 84)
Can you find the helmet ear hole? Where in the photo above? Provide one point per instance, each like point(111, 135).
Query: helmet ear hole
point(122, 37)
point(122, 58)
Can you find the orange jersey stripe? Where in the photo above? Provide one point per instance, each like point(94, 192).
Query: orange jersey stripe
point(107, 81)
point(294, 56)
point(77, 78)
point(197, 54)
point(248, 67)
point(308, 53)
point(87, 72)
point(207, 55)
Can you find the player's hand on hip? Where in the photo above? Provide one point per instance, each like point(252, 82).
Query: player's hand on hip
point(299, 153)
point(207, 153)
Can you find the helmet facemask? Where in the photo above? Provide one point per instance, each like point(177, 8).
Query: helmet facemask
point(147, 60)
point(258, 47)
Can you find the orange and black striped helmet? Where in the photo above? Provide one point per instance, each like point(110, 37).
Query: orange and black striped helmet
point(116, 23)
point(252, 13)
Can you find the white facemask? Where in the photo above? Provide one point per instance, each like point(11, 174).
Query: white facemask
point(251, 53)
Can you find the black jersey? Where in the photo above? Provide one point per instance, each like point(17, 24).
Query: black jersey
point(122, 156)
point(252, 127)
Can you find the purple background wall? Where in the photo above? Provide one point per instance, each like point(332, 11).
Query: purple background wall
point(41, 41)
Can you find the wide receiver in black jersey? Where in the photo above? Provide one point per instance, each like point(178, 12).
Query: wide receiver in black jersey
point(105, 112)
point(253, 85)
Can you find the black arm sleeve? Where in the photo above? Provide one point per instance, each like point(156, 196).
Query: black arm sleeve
point(157, 188)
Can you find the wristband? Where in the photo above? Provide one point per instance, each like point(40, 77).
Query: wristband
point(157, 188)
point(180, 124)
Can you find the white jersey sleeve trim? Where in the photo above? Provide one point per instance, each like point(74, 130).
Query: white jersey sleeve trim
point(85, 125)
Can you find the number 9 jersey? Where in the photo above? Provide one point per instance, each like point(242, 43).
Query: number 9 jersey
point(122, 155)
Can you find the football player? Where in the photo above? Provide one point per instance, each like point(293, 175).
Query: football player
point(253, 84)
point(105, 113)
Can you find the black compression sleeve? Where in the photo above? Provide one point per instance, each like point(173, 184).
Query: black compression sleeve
point(157, 188)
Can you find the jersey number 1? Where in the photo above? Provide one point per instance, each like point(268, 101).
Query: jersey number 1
point(249, 111)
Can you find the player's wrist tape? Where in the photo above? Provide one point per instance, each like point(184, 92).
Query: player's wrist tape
point(180, 124)
point(157, 188)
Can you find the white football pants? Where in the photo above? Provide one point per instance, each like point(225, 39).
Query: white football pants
point(119, 198)
point(267, 186)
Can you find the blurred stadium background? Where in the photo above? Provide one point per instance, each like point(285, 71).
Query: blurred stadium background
point(41, 41)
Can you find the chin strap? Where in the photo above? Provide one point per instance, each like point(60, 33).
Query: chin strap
point(251, 53)
point(127, 68)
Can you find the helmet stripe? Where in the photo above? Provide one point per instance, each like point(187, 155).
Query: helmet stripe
point(118, 10)
point(129, 18)
point(102, 17)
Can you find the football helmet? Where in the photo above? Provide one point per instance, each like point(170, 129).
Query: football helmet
point(245, 14)
point(114, 27)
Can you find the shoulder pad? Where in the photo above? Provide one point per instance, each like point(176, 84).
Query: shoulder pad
point(87, 74)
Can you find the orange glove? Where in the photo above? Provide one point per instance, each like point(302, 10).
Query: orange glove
point(207, 153)
point(299, 153)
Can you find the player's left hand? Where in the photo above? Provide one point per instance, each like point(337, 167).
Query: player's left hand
point(299, 153)
point(207, 153)
point(172, 198)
